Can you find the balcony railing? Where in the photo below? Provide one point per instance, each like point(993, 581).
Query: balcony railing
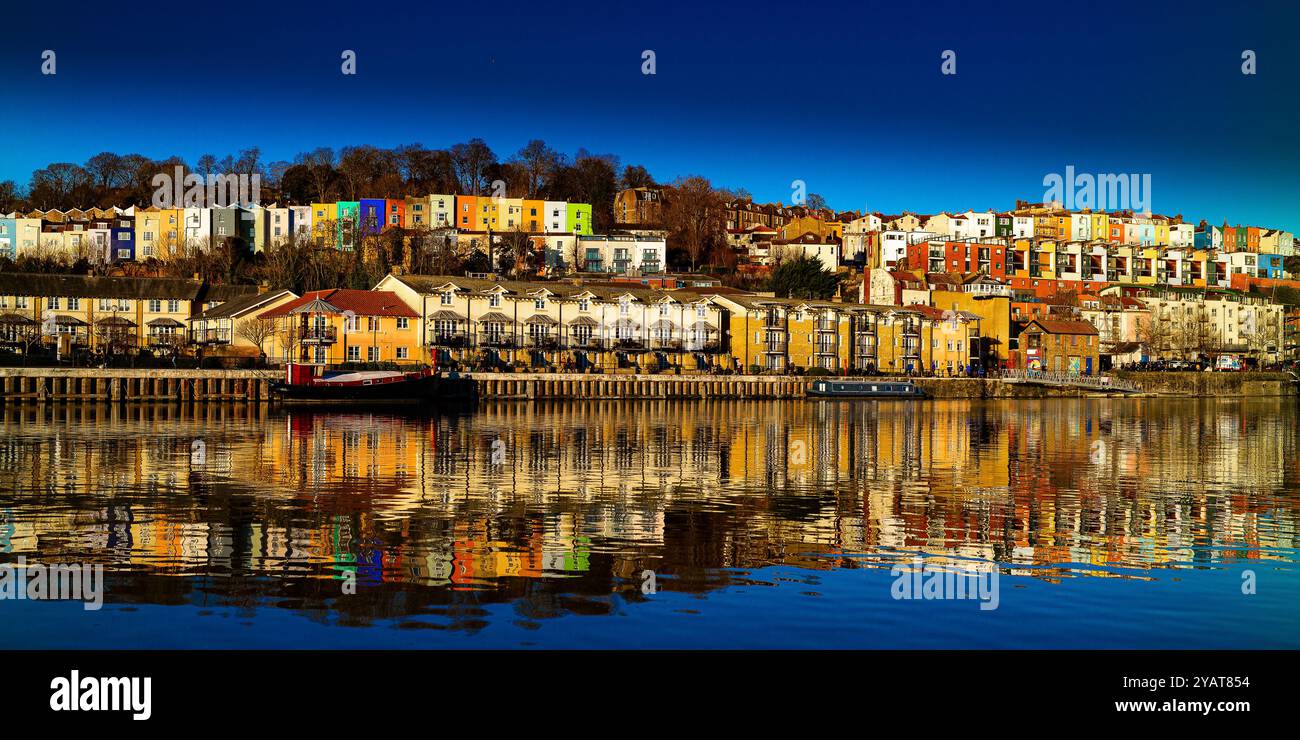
point(547, 342)
point(497, 340)
point(319, 335)
point(774, 348)
point(210, 336)
point(444, 339)
point(672, 345)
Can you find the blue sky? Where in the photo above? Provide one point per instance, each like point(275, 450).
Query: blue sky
point(846, 97)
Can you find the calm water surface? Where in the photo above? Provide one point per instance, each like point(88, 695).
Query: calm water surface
point(1110, 523)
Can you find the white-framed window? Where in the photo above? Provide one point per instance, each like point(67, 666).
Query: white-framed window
point(74, 304)
point(494, 300)
point(372, 353)
point(354, 353)
point(540, 304)
point(403, 353)
point(155, 305)
point(54, 303)
point(447, 298)
point(403, 322)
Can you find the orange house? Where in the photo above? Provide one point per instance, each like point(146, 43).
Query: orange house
point(466, 213)
point(534, 216)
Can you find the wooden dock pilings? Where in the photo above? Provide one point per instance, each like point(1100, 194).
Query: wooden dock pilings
point(59, 385)
point(486, 386)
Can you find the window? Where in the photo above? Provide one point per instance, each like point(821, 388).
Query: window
point(540, 304)
point(54, 303)
point(494, 300)
point(403, 353)
point(354, 353)
point(155, 305)
point(74, 304)
point(403, 322)
point(447, 298)
point(372, 354)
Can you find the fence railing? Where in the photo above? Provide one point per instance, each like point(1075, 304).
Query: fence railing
point(1100, 382)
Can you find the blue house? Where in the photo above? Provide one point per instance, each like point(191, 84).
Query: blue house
point(1270, 266)
point(121, 245)
point(372, 216)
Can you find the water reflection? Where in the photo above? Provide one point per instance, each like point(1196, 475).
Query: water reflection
point(557, 509)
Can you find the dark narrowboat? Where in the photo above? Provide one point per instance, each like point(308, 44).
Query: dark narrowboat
point(878, 388)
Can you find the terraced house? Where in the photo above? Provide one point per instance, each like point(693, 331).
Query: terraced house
point(115, 315)
point(559, 325)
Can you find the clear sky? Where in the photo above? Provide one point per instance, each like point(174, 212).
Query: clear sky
point(846, 97)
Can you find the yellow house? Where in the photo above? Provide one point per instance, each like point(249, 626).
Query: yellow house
point(324, 220)
point(231, 328)
point(330, 327)
point(798, 226)
point(157, 233)
point(88, 313)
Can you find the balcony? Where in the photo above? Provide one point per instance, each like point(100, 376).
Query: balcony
point(501, 341)
point(451, 340)
point(772, 347)
point(210, 336)
point(314, 335)
point(669, 345)
point(629, 343)
point(587, 343)
point(546, 342)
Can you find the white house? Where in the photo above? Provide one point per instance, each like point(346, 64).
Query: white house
point(557, 217)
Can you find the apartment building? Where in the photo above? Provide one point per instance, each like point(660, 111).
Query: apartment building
point(500, 324)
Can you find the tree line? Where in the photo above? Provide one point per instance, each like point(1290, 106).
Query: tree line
point(326, 175)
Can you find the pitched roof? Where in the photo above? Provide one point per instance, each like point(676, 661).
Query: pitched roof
point(1064, 326)
point(240, 305)
point(359, 302)
point(90, 286)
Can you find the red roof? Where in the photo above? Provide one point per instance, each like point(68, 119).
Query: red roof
point(359, 302)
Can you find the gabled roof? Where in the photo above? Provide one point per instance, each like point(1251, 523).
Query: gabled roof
point(239, 306)
point(359, 302)
point(1063, 326)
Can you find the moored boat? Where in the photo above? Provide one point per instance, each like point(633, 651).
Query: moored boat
point(307, 383)
point(877, 388)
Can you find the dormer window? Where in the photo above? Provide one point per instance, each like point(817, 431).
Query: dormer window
point(494, 300)
point(448, 297)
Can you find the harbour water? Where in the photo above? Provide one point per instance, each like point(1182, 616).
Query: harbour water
point(1108, 522)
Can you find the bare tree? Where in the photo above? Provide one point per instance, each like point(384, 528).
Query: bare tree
point(1155, 333)
point(695, 214)
point(257, 331)
point(286, 332)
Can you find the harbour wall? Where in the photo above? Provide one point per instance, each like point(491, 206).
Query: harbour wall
point(60, 385)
